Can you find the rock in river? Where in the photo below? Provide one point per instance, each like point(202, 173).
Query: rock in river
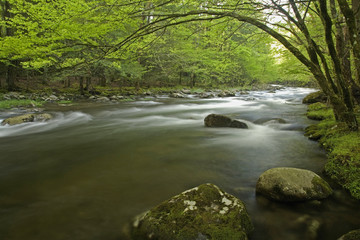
point(204, 212)
point(315, 97)
point(292, 184)
point(27, 118)
point(353, 235)
point(216, 120)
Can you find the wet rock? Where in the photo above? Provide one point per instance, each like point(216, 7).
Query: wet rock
point(176, 95)
point(206, 95)
point(238, 124)
point(309, 226)
point(226, 93)
point(186, 91)
point(38, 117)
point(204, 212)
point(315, 97)
point(217, 120)
point(52, 98)
point(353, 235)
point(292, 184)
point(103, 99)
point(269, 120)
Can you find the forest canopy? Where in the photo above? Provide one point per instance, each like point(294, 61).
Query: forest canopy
point(57, 40)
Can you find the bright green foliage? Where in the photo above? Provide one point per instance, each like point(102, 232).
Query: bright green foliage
point(212, 53)
point(93, 38)
point(320, 111)
point(19, 103)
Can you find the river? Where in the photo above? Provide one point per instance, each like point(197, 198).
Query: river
point(87, 172)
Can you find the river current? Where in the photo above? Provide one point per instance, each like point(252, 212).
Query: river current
point(86, 173)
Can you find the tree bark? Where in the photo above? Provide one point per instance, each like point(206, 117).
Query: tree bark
point(11, 74)
point(81, 85)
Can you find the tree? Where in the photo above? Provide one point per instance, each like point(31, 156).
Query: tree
point(292, 28)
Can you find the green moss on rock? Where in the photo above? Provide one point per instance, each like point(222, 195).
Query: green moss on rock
point(204, 212)
point(292, 184)
point(315, 97)
point(26, 118)
point(353, 235)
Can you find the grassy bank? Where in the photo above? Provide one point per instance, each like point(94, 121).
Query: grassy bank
point(16, 103)
point(342, 146)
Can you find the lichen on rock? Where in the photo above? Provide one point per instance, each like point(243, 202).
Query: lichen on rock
point(204, 211)
point(353, 235)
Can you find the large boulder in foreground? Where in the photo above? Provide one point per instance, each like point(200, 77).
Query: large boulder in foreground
point(217, 120)
point(292, 184)
point(353, 235)
point(204, 212)
point(34, 117)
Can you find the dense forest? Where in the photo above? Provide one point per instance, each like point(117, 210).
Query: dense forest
point(100, 41)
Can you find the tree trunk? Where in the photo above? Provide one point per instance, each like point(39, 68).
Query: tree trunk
point(88, 83)
point(67, 83)
point(180, 78)
point(81, 85)
point(11, 74)
point(102, 81)
point(192, 80)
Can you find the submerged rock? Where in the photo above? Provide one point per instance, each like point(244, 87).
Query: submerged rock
point(204, 212)
point(33, 117)
point(292, 184)
point(216, 120)
point(353, 235)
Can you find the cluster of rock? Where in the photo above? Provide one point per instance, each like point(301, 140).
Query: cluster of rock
point(109, 95)
point(207, 212)
point(47, 97)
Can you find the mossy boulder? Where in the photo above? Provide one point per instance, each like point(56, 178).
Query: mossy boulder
point(315, 97)
point(204, 212)
point(292, 184)
point(313, 132)
point(353, 235)
point(217, 120)
point(33, 117)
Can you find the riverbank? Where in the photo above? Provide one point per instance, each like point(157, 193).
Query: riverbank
point(38, 98)
point(342, 147)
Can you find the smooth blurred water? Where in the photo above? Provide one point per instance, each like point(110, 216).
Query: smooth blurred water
point(87, 172)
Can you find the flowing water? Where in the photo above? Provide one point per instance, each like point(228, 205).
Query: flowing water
point(87, 172)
